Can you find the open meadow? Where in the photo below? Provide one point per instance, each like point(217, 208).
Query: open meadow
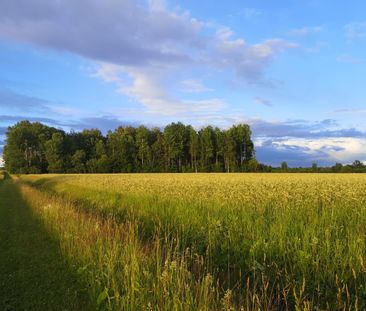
point(165, 155)
point(206, 241)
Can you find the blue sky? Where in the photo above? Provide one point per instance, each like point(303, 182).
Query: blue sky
point(294, 70)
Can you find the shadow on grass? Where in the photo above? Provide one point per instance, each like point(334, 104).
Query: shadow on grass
point(33, 274)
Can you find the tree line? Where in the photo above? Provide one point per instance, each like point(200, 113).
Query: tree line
point(355, 167)
point(32, 147)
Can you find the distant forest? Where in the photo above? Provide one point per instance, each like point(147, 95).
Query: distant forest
point(37, 148)
point(32, 147)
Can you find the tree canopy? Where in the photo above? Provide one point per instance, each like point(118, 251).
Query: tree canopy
point(37, 148)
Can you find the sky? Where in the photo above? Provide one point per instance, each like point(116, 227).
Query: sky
point(294, 70)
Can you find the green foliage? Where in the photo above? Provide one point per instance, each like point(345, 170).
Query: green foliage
point(55, 153)
point(33, 273)
point(78, 160)
point(36, 148)
point(253, 165)
point(122, 149)
point(284, 166)
point(143, 147)
point(24, 151)
point(102, 296)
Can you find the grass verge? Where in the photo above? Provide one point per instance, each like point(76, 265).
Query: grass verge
point(33, 274)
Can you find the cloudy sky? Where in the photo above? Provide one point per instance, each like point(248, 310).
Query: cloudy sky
point(293, 69)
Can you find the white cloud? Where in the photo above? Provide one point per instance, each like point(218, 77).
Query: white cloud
point(250, 13)
point(248, 61)
point(154, 86)
point(340, 149)
point(305, 31)
point(355, 31)
point(300, 142)
point(121, 32)
point(144, 48)
point(262, 101)
point(351, 111)
point(146, 86)
point(157, 5)
point(193, 86)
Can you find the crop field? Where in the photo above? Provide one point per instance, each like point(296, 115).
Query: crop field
point(205, 241)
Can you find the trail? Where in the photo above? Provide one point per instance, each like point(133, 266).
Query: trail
point(33, 275)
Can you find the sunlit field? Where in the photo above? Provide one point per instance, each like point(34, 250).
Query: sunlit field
point(209, 241)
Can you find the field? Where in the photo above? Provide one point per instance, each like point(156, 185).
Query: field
point(198, 241)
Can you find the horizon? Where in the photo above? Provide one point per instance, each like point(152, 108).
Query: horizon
point(292, 71)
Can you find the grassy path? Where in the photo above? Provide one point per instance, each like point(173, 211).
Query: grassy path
point(33, 275)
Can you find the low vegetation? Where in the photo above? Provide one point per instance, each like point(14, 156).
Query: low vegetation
point(33, 274)
point(210, 241)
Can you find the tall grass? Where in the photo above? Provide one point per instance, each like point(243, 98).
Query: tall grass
point(206, 242)
point(122, 272)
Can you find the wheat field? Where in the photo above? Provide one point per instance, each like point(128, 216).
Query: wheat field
point(210, 241)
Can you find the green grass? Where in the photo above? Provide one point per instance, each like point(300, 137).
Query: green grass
point(123, 272)
point(33, 273)
point(262, 241)
point(207, 241)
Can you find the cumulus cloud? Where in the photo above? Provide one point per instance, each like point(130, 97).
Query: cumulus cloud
point(149, 53)
point(248, 61)
point(303, 152)
point(143, 41)
point(329, 150)
point(270, 153)
point(300, 143)
point(114, 31)
point(146, 86)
